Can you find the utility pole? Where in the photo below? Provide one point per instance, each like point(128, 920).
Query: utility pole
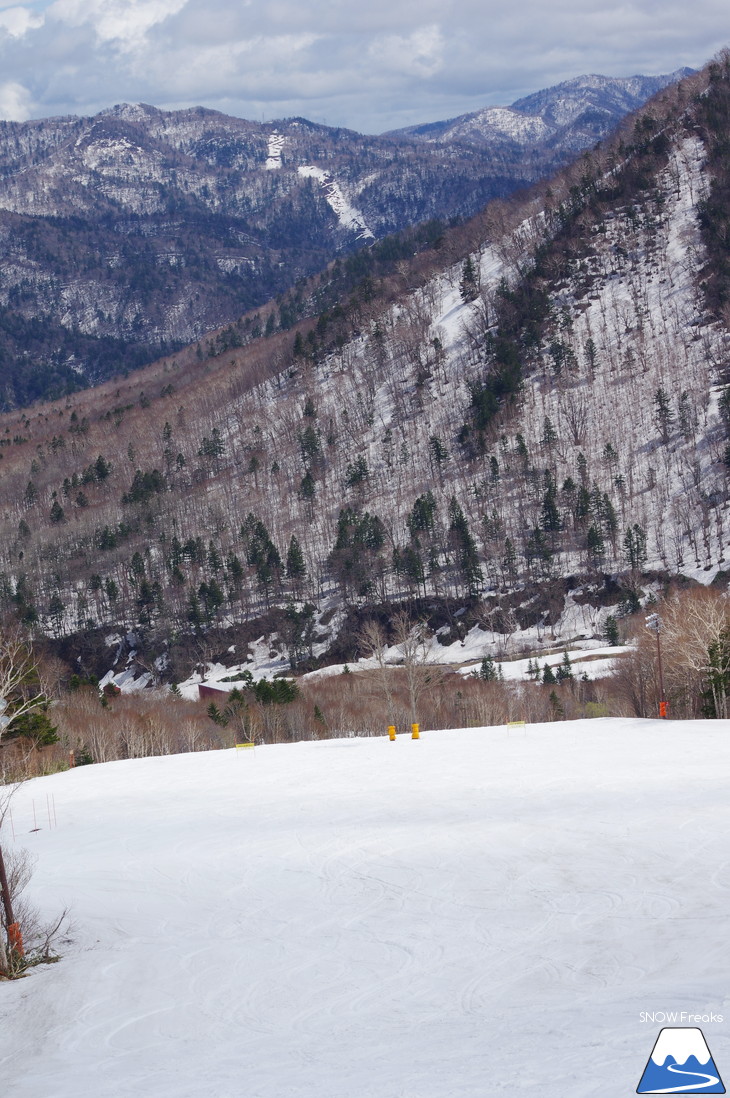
point(654, 625)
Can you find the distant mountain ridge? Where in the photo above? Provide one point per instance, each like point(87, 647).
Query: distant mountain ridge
point(132, 233)
point(567, 117)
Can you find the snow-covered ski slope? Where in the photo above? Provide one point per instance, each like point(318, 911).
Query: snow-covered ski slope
point(480, 912)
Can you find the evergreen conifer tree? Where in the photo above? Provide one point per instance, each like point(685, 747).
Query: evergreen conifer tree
point(468, 287)
point(296, 569)
point(488, 671)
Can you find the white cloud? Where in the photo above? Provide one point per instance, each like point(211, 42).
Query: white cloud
point(416, 54)
point(369, 66)
point(125, 22)
point(15, 102)
point(18, 20)
point(256, 66)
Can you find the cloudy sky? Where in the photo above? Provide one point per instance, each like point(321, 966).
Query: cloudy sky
point(371, 65)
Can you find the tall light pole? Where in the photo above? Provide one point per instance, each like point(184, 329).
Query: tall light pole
point(654, 625)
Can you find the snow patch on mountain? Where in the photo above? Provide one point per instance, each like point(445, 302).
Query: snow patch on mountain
point(232, 264)
point(273, 156)
point(117, 157)
point(504, 121)
point(127, 681)
point(349, 217)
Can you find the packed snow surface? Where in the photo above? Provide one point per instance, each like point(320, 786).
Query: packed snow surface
point(479, 912)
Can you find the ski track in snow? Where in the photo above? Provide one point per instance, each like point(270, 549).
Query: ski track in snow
point(475, 913)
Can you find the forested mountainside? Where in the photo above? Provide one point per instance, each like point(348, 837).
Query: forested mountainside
point(137, 231)
point(552, 404)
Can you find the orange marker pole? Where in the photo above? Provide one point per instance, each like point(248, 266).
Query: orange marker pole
point(15, 938)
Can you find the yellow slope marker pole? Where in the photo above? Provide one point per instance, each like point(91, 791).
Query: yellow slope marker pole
point(415, 731)
point(391, 732)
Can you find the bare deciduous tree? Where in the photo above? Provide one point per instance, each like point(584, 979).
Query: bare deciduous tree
point(422, 669)
point(695, 650)
point(374, 643)
point(38, 938)
point(21, 687)
point(695, 634)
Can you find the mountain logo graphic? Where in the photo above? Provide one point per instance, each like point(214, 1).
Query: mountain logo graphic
point(680, 1063)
